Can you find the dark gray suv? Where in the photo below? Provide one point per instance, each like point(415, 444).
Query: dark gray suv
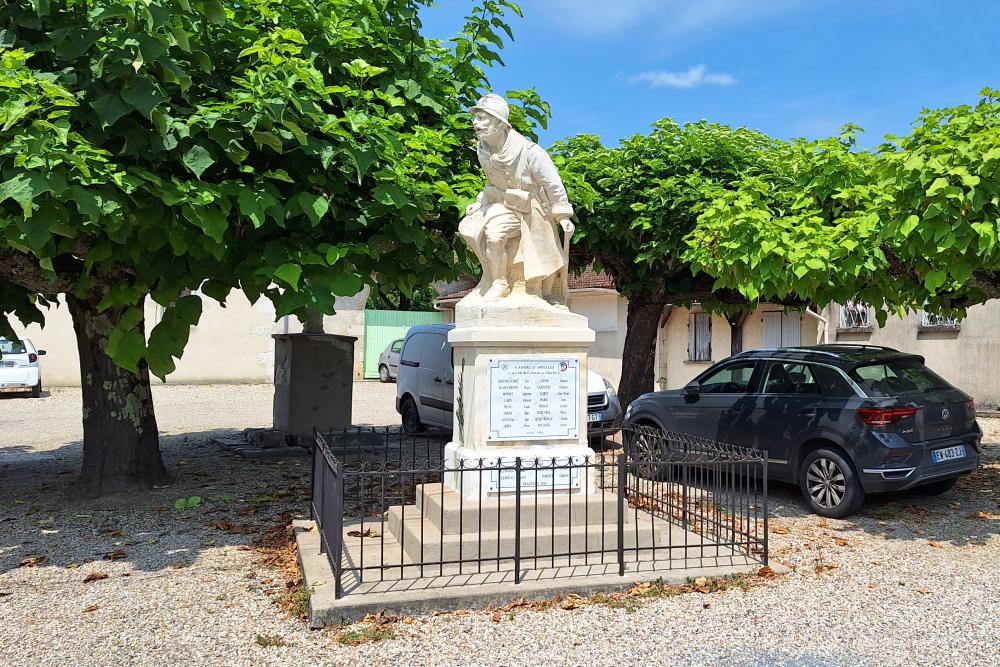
point(838, 420)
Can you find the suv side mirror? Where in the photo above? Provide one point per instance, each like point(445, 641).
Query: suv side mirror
point(692, 388)
point(41, 353)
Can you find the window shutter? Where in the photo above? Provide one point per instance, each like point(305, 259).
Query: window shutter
point(704, 337)
point(772, 330)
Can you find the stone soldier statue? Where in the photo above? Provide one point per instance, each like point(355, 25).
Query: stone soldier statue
point(513, 224)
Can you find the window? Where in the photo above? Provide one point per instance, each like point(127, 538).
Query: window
point(699, 337)
point(410, 355)
point(790, 378)
point(896, 377)
point(397, 345)
point(856, 315)
point(733, 379)
point(934, 321)
point(782, 329)
point(832, 382)
point(11, 346)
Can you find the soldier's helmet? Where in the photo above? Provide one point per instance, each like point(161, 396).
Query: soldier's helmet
point(495, 106)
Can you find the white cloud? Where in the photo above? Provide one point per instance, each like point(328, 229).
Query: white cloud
point(610, 17)
point(692, 78)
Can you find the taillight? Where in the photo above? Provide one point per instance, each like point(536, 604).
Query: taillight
point(970, 408)
point(32, 357)
point(884, 416)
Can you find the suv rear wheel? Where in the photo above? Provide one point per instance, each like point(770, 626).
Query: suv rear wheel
point(830, 484)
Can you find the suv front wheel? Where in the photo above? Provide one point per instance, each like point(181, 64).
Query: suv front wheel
point(830, 484)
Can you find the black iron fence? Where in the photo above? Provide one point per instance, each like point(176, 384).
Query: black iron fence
point(392, 507)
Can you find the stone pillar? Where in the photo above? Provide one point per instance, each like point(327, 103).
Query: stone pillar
point(313, 382)
point(520, 391)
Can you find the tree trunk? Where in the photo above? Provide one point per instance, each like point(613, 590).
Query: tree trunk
point(121, 447)
point(639, 354)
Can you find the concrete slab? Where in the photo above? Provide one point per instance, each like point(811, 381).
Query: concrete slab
point(421, 589)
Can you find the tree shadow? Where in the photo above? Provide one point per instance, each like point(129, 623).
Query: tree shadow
point(42, 515)
point(968, 515)
point(15, 395)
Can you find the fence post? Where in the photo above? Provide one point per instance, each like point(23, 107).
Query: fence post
point(621, 514)
point(764, 485)
point(312, 480)
point(517, 521)
point(337, 555)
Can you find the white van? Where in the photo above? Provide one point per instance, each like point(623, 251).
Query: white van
point(425, 386)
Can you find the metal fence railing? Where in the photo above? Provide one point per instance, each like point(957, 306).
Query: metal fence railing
point(390, 507)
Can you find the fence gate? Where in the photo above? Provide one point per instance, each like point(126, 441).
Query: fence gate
point(384, 326)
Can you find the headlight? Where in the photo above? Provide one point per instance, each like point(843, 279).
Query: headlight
point(609, 388)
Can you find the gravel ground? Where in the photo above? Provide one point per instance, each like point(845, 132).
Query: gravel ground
point(909, 580)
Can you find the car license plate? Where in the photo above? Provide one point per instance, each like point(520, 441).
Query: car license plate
point(948, 454)
point(6, 364)
point(593, 416)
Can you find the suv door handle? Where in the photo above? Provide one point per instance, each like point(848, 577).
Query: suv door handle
point(437, 379)
point(809, 412)
point(451, 382)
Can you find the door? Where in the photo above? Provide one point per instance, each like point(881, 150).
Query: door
point(436, 386)
point(786, 411)
point(782, 329)
point(392, 359)
point(712, 412)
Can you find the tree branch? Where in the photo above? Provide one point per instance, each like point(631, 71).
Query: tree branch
point(23, 270)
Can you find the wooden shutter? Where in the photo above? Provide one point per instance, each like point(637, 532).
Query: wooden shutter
point(772, 330)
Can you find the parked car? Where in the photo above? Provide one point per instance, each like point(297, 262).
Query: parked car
point(388, 361)
point(425, 384)
point(19, 366)
point(841, 421)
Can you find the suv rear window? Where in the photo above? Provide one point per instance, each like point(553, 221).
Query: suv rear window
point(11, 347)
point(900, 376)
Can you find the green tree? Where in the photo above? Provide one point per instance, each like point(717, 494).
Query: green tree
point(180, 149)
point(912, 225)
point(421, 298)
point(637, 202)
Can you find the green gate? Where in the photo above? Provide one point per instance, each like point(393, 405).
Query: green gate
point(384, 326)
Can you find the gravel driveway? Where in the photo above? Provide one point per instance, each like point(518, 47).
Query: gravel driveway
point(909, 580)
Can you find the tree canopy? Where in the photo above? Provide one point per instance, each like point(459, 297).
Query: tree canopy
point(292, 149)
point(910, 225)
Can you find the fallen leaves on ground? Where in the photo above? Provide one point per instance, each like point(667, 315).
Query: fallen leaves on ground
point(935, 544)
point(841, 542)
point(32, 561)
point(93, 607)
point(277, 550)
point(367, 532)
point(779, 529)
point(227, 526)
point(117, 554)
point(95, 576)
point(988, 516)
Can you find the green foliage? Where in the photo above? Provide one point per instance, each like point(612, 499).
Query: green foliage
point(187, 503)
point(912, 225)
point(292, 149)
point(637, 202)
point(420, 299)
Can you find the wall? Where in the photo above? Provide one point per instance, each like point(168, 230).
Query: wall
point(231, 344)
point(606, 313)
point(968, 358)
point(673, 370)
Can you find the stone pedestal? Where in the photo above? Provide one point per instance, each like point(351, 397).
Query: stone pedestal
point(313, 382)
point(520, 392)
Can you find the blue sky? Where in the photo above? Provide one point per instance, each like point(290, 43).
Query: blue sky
point(791, 68)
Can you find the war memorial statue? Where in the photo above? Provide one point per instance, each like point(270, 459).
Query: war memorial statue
point(513, 226)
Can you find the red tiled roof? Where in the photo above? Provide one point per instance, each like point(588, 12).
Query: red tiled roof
point(589, 279)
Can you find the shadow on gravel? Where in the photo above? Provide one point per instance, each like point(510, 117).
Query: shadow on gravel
point(969, 514)
point(227, 501)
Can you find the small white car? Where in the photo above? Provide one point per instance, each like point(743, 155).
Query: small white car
point(425, 384)
point(388, 361)
point(19, 366)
